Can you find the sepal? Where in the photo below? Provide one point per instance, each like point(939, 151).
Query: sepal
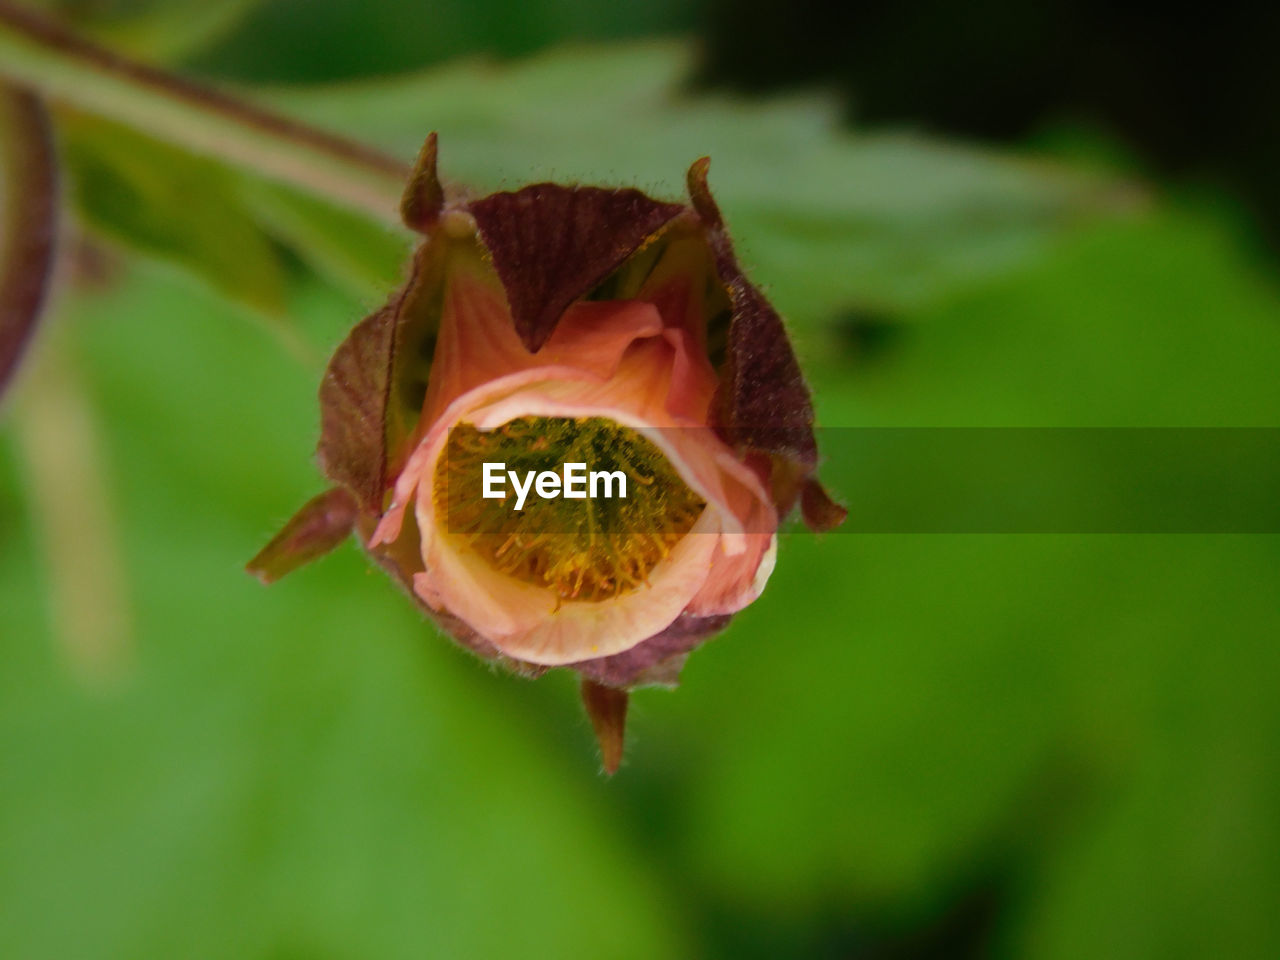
point(322, 523)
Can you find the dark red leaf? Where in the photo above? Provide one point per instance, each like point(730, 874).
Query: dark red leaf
point(28, 235)
point(551, 244)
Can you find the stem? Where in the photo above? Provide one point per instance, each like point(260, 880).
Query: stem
point(74, 518)
point(40, 54)
point(28, 222)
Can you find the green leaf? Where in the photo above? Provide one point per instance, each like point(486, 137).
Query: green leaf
point(355, 251)
point(173, 205)
point(1083, 724)
point(353, 37)
point(830, 220)
point(306, 771)
point(41, 54)
point(1084, 721)
point(163, 30)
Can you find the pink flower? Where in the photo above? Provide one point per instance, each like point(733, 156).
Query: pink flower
point(546, 326)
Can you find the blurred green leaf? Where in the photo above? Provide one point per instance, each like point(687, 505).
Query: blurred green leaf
point(156, 30)
point(831, 220)
point(361, 37)
point(281, 776)
point(173, 205)
point(1082, 724)
point(1087, 720)
point(352, 250)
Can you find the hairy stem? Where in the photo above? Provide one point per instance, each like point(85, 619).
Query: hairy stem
point(38, 53)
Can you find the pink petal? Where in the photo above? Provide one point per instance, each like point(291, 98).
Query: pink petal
point(524, 621)
point(612, 359)
point(477, 342)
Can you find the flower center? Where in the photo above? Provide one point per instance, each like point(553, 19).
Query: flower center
point(591, 548)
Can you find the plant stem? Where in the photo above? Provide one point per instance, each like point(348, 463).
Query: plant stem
point(74, 517)
point(28, 222)
point(40, 54)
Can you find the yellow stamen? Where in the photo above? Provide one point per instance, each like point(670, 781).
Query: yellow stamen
point(585, 550)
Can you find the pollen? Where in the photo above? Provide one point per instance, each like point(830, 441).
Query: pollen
point(581, 549)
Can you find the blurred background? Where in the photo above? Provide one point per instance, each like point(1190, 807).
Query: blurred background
point(913, 746)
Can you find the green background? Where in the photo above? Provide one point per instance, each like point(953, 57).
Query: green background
point(911, 746)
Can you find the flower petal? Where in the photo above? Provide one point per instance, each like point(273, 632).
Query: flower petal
point(477, 343)
point(527, 623)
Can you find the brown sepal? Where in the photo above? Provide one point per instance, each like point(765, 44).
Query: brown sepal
point(423, 196)
point(353, 404)
point(641, 664)
point(371, 394)
point(700, 194)
point(820, 512)
point(552, 244)
point(607, 708)
point(322, 523)
point(763, 402)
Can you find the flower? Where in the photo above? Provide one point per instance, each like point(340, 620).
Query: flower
point(548, 327)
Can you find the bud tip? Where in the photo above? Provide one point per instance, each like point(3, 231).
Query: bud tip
point(700, 192)
point(607, 708)
point(820, 512)
point(423, 196)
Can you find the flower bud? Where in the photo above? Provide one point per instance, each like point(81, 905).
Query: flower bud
point(551, 347)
